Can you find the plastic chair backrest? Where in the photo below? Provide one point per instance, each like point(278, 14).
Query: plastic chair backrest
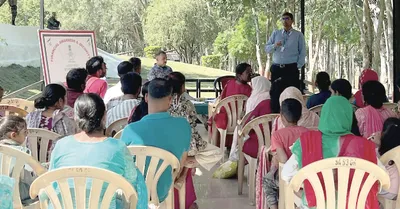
point(153, 174)
point(220, 82)
point(264, 135)
point(21, 103)
point(118, 134)
point(116, 126)
point(235, 107)
point(12, 110)
point(14, 170)
point(317, 109)
point(341, 166)
point(44, 186)
point(38, 142)
point(394, 155)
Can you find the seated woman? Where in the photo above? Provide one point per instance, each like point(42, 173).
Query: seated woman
point(371, 118)
point(49, 113)
point(182, 107)
point(13, 133)
point(308, 119)
point(239, 86)
point(366, 75)
point(323, 82)
point(142, 109)
point(333, 139)
point(342, 87)
point(91, 148)
point(258, 104)
point(388, 141)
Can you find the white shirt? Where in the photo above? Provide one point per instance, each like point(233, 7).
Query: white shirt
point(122, 110)
point(113, 92)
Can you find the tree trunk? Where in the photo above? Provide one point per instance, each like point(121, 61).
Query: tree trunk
point(258, 50)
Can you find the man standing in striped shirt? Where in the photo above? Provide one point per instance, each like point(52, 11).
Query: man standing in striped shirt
point(122, 106)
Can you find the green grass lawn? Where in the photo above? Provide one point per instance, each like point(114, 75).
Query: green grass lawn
point(15, 77)
point(190, 72)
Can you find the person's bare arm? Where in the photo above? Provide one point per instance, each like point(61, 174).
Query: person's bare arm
point(182, 162)
point(280, 153)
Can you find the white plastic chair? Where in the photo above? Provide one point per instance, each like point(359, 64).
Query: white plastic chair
point(394, 155)
point(153, 174)
point(12, 110)
point(235, 107)
point(343, 165)
point(41, 137)
point(26, 105)
point(264, 138)
point(116, 126)
point(44, 186)
point(317, 109)
point(14, 170)
point(118, 134)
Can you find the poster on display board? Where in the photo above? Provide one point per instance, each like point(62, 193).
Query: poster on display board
point(62, 51)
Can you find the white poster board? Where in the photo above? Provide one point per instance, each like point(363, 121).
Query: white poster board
point(62, 51)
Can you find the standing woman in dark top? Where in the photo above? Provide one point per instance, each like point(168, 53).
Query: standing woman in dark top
point(342, 87)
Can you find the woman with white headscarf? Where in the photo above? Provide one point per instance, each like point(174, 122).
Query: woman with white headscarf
point(258, 104)
point(308, 119)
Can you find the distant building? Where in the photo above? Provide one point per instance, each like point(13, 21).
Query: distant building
point(173, 56)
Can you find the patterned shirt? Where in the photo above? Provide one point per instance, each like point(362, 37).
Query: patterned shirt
point(182, 107)
point(159, 72)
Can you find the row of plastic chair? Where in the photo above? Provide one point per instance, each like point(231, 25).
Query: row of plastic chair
point(160, 160)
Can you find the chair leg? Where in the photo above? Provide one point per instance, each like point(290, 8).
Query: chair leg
point(182, 195)
point(240, 173)
point(222, 140)
point(214, 135)
point(169, 201)
point(281, 203)
point(252, 180)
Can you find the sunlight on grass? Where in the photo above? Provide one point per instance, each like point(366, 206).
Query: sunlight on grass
point(190, 71)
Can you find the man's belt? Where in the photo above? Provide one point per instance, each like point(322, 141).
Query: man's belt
point(285, 65)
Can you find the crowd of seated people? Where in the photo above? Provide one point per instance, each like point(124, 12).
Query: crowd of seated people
point(298, 136)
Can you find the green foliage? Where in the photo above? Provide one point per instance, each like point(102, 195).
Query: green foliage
point(212, 61)
point(242, 43)
point(151, 51)
point(182, 25)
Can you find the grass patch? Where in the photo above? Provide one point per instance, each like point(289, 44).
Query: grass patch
point(15, 77)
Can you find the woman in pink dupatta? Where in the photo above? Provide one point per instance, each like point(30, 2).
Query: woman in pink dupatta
point(238, 86)
point(366, 75)
point(371, 118)
point(308, 119)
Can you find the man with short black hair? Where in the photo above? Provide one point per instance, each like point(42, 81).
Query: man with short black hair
point(289, 52)
point(76, 83)
point(122, 106)
point(160, 68)
point(97, 69)
point(160, 129)
point(115, 91)
point(137, 64)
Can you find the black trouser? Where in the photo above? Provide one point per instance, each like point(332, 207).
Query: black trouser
point(289, 73)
